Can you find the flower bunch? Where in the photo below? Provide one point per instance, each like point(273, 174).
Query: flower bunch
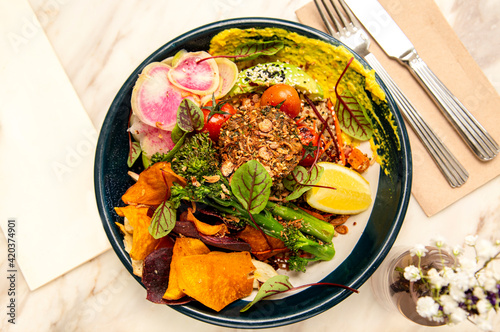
point(466, 289)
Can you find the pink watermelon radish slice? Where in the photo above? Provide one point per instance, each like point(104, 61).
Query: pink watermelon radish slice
point(228, 74)
point(201, 78)
point(154, 99)
point(151, 139)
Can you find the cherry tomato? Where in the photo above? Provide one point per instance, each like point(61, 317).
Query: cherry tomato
point(309, 137)
point(279, 93)
point(216, 121)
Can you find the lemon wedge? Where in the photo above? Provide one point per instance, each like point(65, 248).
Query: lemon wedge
point(351, 194)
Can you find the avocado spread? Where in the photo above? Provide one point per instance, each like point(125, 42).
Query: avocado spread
point(324, 62)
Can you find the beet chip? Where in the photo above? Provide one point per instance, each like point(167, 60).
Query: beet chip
point(155, 276)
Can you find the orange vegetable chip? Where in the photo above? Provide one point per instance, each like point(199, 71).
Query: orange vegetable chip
point(184, 246)
point(259, 245)
point(142, 242)
point(358, 160)
point(153, 185)
point(216, 279)
point(205, 228)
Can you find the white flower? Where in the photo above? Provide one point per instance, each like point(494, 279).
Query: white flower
point(485, 250)
point(468, 265)
point(412, 273)
point(436, 279)
point(448, 303)
point(438, 241)
point(483, 306)
point(458, 315)
point(479, 293)
point(427, 307)
point(448, 274)
point(457, 293)
point(461, 280)
point(470, 240)
point(419, 250)
point(488, 280)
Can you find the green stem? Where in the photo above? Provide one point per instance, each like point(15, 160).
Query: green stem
point(310, 225)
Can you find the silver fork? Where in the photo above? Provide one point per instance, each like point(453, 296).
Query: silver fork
point(349, 31)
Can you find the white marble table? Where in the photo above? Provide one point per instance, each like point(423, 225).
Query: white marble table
point(99, 43)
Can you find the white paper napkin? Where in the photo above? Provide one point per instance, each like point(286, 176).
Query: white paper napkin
point(47, 144)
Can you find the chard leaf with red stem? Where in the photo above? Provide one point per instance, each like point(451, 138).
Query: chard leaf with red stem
point(281, 284)
point(301, 180)
point(163, 220)
point(252, 50)
point(351, 114)
point(134, 153)
point(251, 185)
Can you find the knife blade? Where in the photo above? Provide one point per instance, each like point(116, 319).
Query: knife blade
point(395, 44)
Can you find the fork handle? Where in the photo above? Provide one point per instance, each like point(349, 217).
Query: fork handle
point(471, 131)
point(453, 171)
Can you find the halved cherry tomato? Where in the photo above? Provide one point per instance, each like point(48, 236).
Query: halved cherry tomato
point(278, 93)
point(216, 121)
point(309, 138)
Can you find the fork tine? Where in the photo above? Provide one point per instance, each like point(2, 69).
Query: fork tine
point(329, 27)
point(332, 17)
point(349, 13)
point(339, 13)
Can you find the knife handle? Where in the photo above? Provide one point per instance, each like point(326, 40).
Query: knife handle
point(453, 171)
point(471, 131)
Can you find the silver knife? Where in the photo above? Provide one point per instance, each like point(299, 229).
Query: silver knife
point(395, 43)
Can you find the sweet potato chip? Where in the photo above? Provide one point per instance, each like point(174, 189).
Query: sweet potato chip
point(216, 279)
point(204, 228)
point(153, 186)
point(260, 247)
point(127, 236)
point(142, 242)
point(184, 246)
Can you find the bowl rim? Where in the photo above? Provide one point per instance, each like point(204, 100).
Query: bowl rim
point(236, 322)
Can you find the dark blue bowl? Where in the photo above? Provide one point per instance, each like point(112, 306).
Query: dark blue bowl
point(111, 181)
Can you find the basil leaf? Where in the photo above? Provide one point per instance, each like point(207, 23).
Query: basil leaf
point(163, 220)
point(134, 153)
point(249, 51)
point(275, 285)
point(189, 116)
point(176, 133)
point(251, 185)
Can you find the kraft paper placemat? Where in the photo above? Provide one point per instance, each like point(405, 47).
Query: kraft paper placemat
point(439, 46)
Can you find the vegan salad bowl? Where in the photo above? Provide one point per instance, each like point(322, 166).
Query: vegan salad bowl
point(339, 96)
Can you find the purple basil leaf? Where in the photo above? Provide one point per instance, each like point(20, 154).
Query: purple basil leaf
point(189, 116)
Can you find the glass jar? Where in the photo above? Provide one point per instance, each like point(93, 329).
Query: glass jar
point(393, 291)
